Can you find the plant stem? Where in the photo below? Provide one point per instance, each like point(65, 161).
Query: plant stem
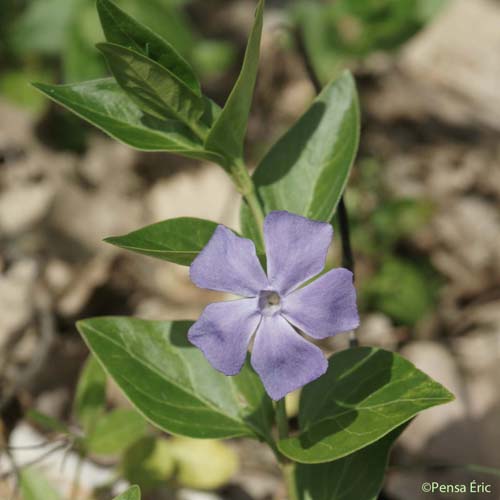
point(347, 257)
point(245, 185)
point(287, 466)
point(343, 217)
point(289, 475)
point(282, 418)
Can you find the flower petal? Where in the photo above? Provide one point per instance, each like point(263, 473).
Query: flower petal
point(283, 359)
point(296, 249)
point(324, 307)
point(228, 263)
point(223, 332)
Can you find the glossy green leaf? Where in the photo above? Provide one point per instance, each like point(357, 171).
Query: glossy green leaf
point(104, 104)
point(115, 431)
point(121, 29)
point(175, 240)
point(34, 486)
point(364, 395)
point(307, 170)
point(170, 382)
point(228, 132)
point(155, 89)
point(90, 398)
point(340, 480)
point(133, 493)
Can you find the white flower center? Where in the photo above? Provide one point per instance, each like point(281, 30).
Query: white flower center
point(269, 302)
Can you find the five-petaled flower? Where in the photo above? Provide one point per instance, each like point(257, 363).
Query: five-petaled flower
point(275, 307)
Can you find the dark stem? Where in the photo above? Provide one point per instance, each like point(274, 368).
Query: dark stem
point(343, 217)
point(301, 47)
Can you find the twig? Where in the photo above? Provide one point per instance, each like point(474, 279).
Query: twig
point(34, 446)
point(75, 486)
point(35, 461)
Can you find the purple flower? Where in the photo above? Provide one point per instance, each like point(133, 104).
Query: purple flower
point(275, 306)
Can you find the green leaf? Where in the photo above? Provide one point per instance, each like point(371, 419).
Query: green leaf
point(307, 170)
point(319, 35)
point(365, 394)
point(228, 132)
point(15, 87)
point(168, 18)
point(121, 29)
point(133, 493)
point(80, 60)
point(148, 463)
point(104, 104)
point(405, 290)
point(213, 57)
point(340, 480)
point(43, 27)
point(155, 89)
point(47, 422)
point(115, 431)
point(203, 464)
point(175, 240)
point(170, 382)
point(34, 486)
point(90, 398)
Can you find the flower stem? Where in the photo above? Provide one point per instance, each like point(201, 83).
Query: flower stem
point(282, 419)
point(287, 466)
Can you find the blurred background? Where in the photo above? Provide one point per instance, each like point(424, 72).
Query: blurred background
point(423, 200)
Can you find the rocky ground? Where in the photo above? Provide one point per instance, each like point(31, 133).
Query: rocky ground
point(431, 117)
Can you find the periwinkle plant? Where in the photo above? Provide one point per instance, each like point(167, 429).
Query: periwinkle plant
point(353, 406)
point(273, 304)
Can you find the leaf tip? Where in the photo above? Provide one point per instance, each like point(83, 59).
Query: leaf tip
point(80, 325)
point(112, 240)
point(41, 87)
point(105, 47)
point(448, 395)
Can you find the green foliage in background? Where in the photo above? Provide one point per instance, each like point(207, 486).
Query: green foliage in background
point(341, 31)
point(46, 40)
point(403, 286)
point(34, 486)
